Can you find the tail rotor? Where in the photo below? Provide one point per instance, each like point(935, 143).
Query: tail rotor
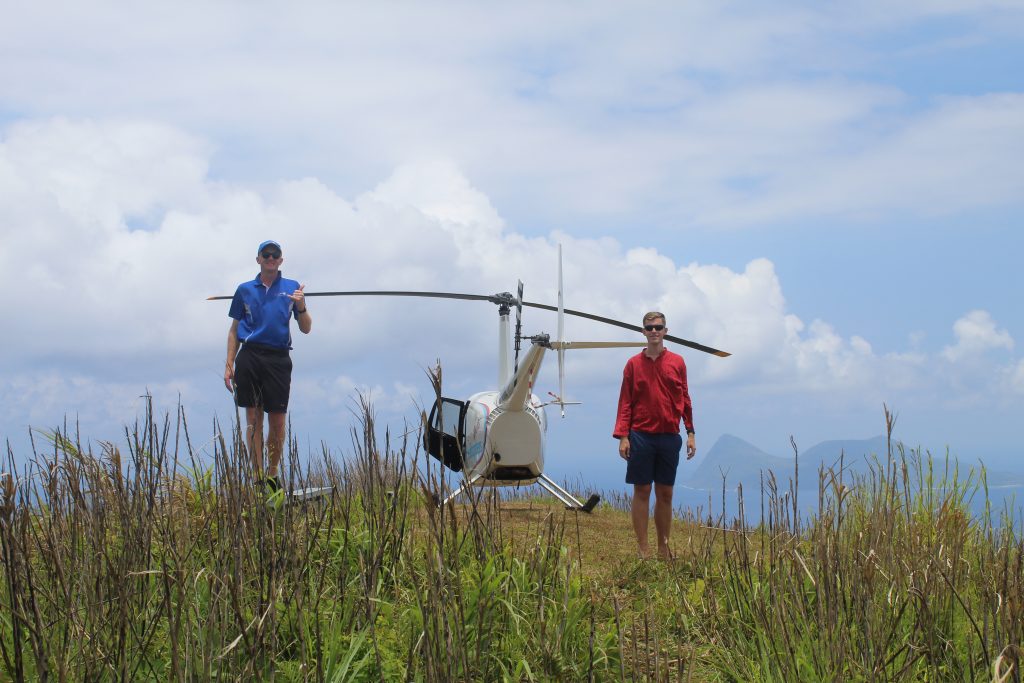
point(561, 335)
point(519, 324)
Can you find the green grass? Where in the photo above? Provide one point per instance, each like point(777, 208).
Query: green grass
point(135, 562)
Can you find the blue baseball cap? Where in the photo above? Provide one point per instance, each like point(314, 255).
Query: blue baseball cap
point(268, 243)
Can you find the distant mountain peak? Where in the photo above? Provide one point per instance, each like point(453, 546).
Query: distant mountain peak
point(729, 445)
point(741, 461)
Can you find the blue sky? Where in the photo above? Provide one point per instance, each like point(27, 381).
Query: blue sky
point(831, 191)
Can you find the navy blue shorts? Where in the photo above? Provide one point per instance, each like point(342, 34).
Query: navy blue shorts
point(653, 457)
point(263, 378)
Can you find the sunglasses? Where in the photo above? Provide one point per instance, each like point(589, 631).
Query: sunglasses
point(267, 255)
point(654, 328)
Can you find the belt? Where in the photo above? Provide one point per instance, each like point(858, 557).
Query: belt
point(265, 349)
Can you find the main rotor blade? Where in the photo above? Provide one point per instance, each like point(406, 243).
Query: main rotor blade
point(565, 345)
point(628, 326)
point(506, 298)
point(561, 326)
point(493, 298)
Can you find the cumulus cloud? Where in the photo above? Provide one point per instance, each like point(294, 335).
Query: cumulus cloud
point(976, 333)
point(1016, 377)
point(963, 153)
point(118, 301)
point(599, 111)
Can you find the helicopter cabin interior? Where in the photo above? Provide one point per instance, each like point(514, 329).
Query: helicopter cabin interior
point(445, 438)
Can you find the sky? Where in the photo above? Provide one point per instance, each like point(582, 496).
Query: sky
point(833, 192)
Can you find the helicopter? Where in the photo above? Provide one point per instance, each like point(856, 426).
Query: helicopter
point(496, 437)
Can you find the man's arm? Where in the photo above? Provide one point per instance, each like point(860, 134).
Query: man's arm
point(229, 366)
point(683, 403)
point(624, 414)
point(691, 440)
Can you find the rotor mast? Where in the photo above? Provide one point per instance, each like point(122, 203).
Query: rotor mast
point(504, 338)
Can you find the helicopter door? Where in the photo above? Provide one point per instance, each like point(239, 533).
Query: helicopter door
point(445, 437)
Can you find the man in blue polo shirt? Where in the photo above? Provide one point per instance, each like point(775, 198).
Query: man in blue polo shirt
point(258, 369)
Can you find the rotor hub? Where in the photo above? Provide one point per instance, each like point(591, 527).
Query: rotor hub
point(505, 302)
point(542, 339)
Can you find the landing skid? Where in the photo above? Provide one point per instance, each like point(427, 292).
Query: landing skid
point(566, 498)
point(311, 493)
point(570, 501)
point(466, 483)
point(299, 496)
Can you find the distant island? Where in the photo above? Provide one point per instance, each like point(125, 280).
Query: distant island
point(740, 461)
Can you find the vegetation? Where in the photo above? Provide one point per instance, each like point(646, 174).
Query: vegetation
point(140, 563)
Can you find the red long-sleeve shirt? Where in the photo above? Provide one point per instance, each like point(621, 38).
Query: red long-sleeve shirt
point(654, 395)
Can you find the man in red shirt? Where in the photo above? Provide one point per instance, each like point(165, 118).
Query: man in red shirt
point(653, 399)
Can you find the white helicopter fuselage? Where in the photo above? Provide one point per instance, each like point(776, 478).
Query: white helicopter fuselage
point(499, 436)
point(504, 431)
point(502, 444)
point(501, 433)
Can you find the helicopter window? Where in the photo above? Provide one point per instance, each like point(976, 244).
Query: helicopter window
point(451, 417)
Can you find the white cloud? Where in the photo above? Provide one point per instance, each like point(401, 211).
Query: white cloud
point(603, 111)
point(976, 334)
point(450, 146)
point(62, 397)
point(963, 153)
point(879, 13)
point(1016, 377)
point(104, 169)
point(115, 308)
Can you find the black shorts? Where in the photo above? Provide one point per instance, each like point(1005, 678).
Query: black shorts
point(263, 378)
point(653, 457)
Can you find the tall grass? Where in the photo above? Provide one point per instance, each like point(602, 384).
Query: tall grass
point(157, 559)
point(890, 580)
point(126, 565)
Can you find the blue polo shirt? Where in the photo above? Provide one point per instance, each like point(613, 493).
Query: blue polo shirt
point(263, 313)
